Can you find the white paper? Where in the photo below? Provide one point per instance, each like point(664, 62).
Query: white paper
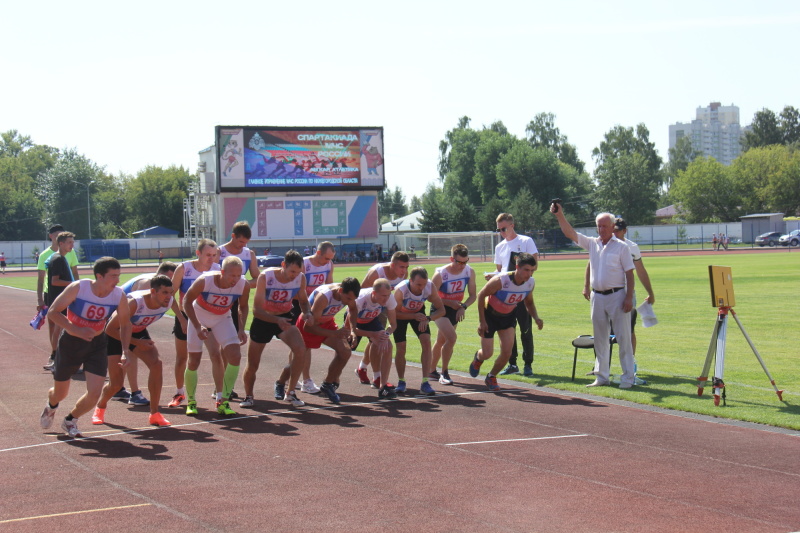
point(648, 315)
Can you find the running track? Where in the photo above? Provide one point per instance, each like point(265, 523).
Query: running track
point(526, 459)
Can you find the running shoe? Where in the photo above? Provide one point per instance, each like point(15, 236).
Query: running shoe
point(329, 390)
point(509, 370)
point(99, 416)
point(491, 382)
point(191, 408)
point(309, 387)
point(401, 386)
point(48, 414)
point(475, 366)
point(122, 395)
point(224, 409)
point(445, 379)
point(177, 400)
point(51, 363)
point(426, 389)
point(70, 427)
point(280, 390)
point(137, 398)
point(247, 402)
point(376, 383)
point(292, 398)
point(434, 375)
point(157, 419)
point(528, 371)
point(387, 393)
point(231, 396)
point(362, 375)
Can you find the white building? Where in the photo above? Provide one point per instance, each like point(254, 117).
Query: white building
point(714, 132)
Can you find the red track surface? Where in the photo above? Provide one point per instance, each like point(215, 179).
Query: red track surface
point(526, 459)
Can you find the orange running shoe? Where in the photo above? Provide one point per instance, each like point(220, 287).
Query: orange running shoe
point(176, 400)
point(157, 419)
point(99, 416)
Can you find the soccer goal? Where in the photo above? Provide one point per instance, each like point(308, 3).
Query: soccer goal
point(480, 243)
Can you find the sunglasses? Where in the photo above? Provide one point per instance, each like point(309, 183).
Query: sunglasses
point(501, 230)
point(462, 262)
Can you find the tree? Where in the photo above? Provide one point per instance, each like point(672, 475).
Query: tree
point(391, 203)
point(542, 132)
point(680, 156)
point(706, 192)
point(433, 218)
point(155, 196)
point(66, 190)
point(768, 179)
point(764, 131)
point(628, 174)
point(459, 214)
point(490, 149)
point(790, 125)
point(415, 204)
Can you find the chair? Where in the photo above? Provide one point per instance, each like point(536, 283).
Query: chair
point(585, 342)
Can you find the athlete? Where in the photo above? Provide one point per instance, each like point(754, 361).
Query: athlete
point(451, 281)
point(275, 289)
point(504, 292)
point(371, 304)
point(140, 283)
point(394, 272)
point(185, 275)
point(208, 305)
point(83, 342)
point(145, 307)
point(411, 296)
point(318, 271)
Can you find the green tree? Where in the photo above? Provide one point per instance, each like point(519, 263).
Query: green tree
point(459, 213)
point(415, 204)
point(790, 125)
point(66, 189)
point(434, 217)
point(155, 196)
point(707, 192)
point(491, 147)
point(391, 202)
point(542, 132)
point(680, 156)
point(768, 179)
point(764, 131)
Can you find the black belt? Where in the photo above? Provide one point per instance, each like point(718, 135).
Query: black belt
point(609, 291)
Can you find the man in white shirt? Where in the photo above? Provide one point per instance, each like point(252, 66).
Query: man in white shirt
point(505, 256)
point(611, 272)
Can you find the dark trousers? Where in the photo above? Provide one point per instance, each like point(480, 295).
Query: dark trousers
point(525, 325)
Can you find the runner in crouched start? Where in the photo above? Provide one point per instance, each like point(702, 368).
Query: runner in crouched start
point(88, 304)
point(275, 289)
point(411, 296)
point(326, 301)
point(370, 304)
point(145, 307)
point(504, 292)
point(208, 306)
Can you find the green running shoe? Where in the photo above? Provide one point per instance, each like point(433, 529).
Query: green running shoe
point(191, 408)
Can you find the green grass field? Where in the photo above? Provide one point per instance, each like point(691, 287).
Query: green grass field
point(670, 355)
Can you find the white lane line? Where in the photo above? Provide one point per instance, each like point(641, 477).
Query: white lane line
point(73, 513)
point(515, 440)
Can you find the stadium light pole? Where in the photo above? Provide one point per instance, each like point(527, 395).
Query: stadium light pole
point(88, 205)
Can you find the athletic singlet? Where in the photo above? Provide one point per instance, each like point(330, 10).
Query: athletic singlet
point(369, 310)
point(190, 274)
point(333, 306)
point(91, 311)
point(510, 294)
point(278, 300)
point(411, 302)
point(144, 316)
point(453, 285)
point(128, 287)
point(215, 299)
point(382, 274)
point(244, 255)
point(315, 276)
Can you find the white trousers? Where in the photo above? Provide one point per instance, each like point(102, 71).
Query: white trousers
point(605, 309)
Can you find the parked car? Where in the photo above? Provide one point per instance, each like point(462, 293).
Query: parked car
point(768, 239)
point(792, 238)
point(265, 261)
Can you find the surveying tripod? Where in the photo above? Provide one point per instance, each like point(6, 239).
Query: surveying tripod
point(717, 346)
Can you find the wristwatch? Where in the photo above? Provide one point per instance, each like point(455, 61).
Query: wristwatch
point(463, 306)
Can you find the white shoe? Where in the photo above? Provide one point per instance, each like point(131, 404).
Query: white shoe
point(598, 383)
point(309, 387)
point(625, 385)
point(247, 402)
point(291, 397)
point(48, 414)
point(70, 427)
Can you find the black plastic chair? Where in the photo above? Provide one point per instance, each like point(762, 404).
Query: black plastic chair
point(585, 342)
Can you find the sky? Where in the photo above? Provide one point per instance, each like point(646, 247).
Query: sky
point(136, 84)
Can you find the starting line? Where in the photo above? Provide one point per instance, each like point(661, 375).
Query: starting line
point(516, 440)
point(73, 513)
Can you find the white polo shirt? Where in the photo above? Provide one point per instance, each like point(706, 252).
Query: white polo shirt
point(503, 251)
point(609, 263)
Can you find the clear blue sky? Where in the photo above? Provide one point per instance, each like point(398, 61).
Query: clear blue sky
point(132, 84)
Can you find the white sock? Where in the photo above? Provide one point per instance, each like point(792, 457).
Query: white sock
point(362, 366)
